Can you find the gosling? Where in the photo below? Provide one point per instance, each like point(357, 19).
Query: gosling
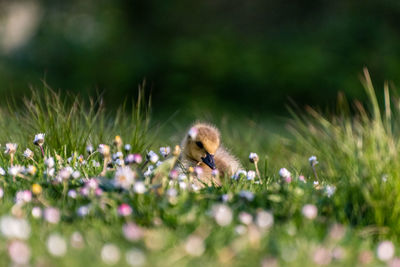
point(201, 148)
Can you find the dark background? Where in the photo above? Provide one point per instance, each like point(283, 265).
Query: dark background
point(248, 56)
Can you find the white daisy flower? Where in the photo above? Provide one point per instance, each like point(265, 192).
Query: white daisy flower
point(164, 151)
point(28, 153)
point(253, 157)
point(152, 156)
point(56, 245)
point(104, 150)
point(124, 177)
point(110, 254)
point(385, 250)
point(284, 173)
point(15, 170)
point(251, 175)
point(11, 148)
point(222, 214)
point(313, 160)
point(49, 162)
point(139, 187)
point(39, 139)
point(309, 211)
point(89, 149)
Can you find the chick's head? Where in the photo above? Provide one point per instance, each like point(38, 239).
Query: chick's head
point(201, 143)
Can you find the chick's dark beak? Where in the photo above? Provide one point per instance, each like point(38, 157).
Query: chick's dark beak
point(209, 160)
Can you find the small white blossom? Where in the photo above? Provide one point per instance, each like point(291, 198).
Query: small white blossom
point(95, 163)
point(127, 147)
point(135, 257)
point(310, 211)
point(164, 151)
point(15, 170)
point(194, 246)
point(139, 187)
point(239, 174)
point(253, 157)
point(49, 162)
point(124, 177)
point(222, 214)
point(245, 218)
point(77, 240)
point(284, 173)
point(39, 139)
point(19, 252)
point(104, 150)
point(72, 193)
point(119, 162)
point(23, 196)
point(28, 153)
point(117, 155)
point(50, 172)
point(11, 148)
point(149, 171)
point(65, 173)
point(36, 212)
point(172, 192)
point(264, 219)
point(31, 170)
point(2, 171)
point(152, 156)
point(89, 149)
point(251, 175)
point(182, 185)
point(12, 227)
point(313, 161)
point(385, 250)
point(330, 190)
point(52, 215)
point(110, 254)
point(76, 174)
point(56, 245)
point(83, 211)
point(249, 196)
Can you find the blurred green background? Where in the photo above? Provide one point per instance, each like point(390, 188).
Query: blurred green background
point(233, 56)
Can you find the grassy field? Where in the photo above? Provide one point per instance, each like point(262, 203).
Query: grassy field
point(61, 207)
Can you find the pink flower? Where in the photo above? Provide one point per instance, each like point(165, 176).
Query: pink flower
point(84, 191)
point(132, 232)
point(309, 211)
point(98, 191)
point(52, 215)
point(19, 252)
point(92, 183)
point(138, 158)
point(23, 196)
point(174, 174)
point(286, 175)
point(124, 210)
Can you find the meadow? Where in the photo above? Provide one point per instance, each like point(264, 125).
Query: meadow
point(77, 189)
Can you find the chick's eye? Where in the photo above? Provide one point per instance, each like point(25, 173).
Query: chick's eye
point(199, 144)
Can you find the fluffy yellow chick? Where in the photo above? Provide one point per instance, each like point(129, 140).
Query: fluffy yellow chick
point(202, 148)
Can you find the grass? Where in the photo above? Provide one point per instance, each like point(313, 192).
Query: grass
point(354, 189)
